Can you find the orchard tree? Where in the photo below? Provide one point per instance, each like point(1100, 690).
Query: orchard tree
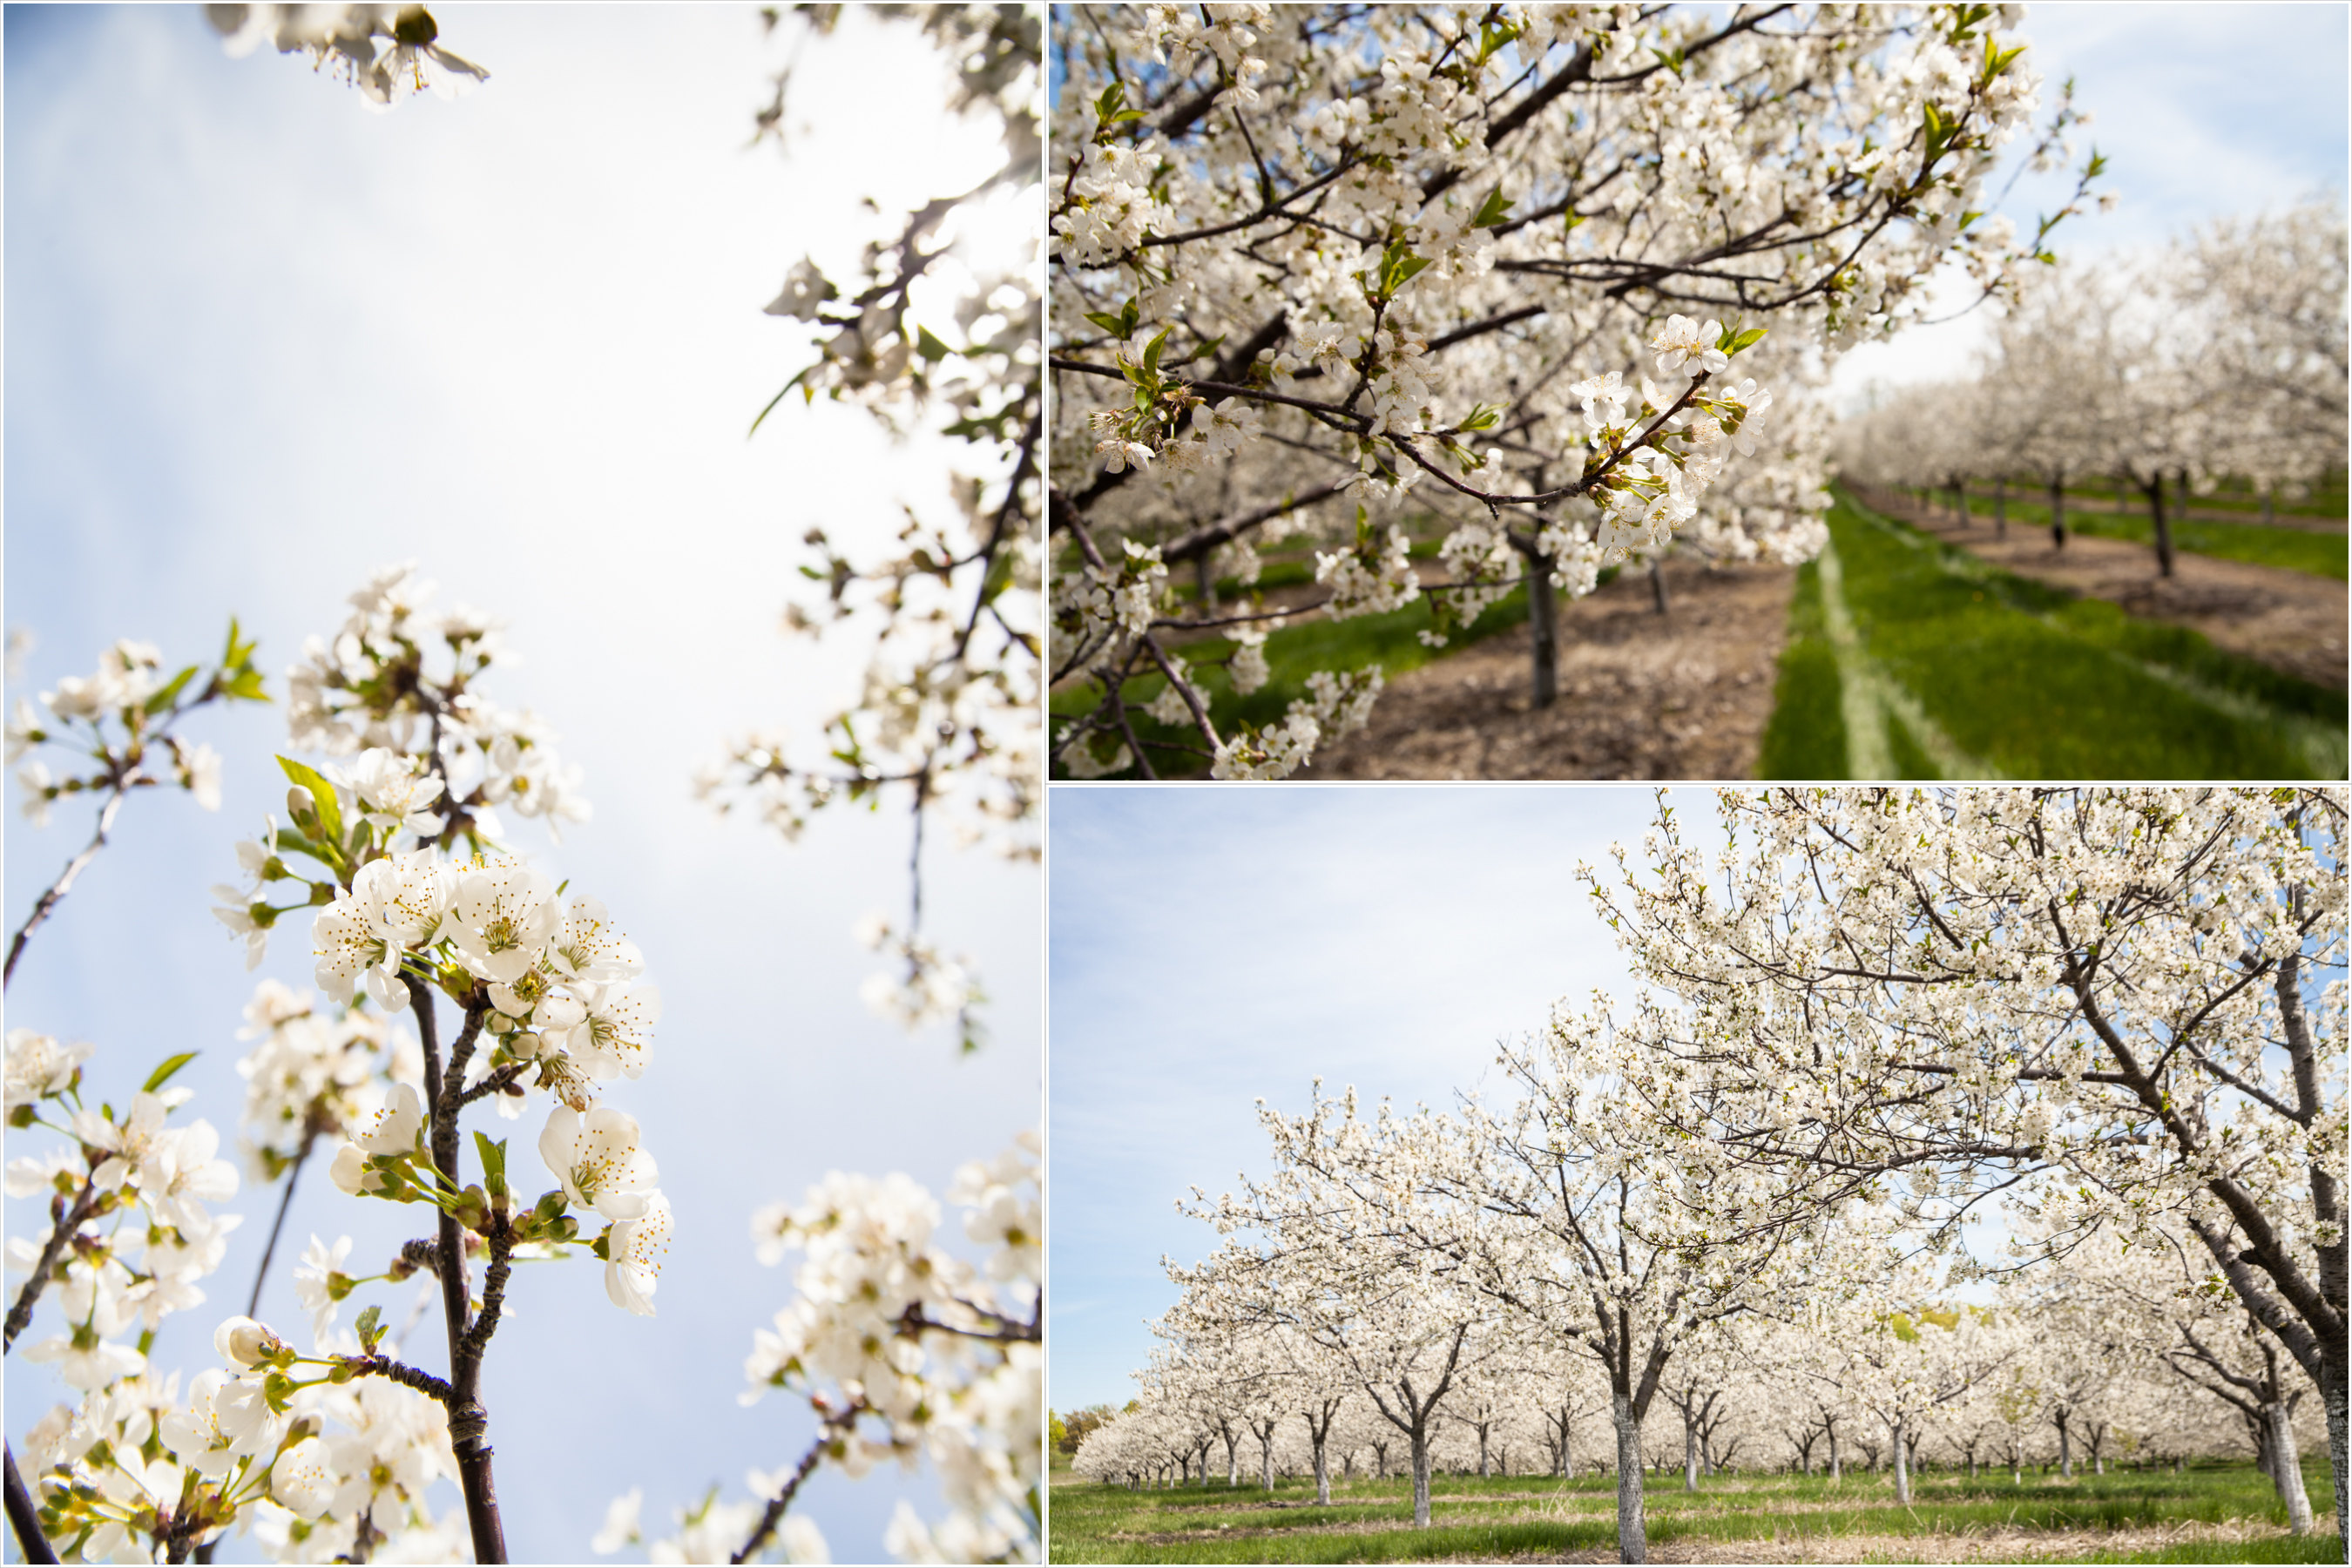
point(2136, 994)
point(1516, 265)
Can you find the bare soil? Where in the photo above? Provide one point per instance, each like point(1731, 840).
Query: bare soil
point(1684, 695)
point(2291, 621)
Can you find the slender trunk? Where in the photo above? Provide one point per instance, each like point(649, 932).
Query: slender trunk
point(1960, 489)
point(1482, 1454)
point(1233, 1460)
point(1633, 1543)
point(2286, 1466)
point(1837, 1469)
point(2058, 514)
point(1657, 588)
point(1567, 1457)
point(2000, 508)
point(2180, 503)
point(2163, 526)
point(2065, 1447)
point(1265, 1458)
point(1421, 1477)
point(1322, 1470)
point(1690, 1456)
point(1206, 581)
point(1543, 626)
point(2331, 1394)
point(1902, 1465)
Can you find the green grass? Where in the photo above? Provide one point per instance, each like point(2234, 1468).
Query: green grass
point(2034, 680)
point(1391, 641)
point(1506, 1516)
point(1805, 738)
point(2326, 497)
point(2297, 550)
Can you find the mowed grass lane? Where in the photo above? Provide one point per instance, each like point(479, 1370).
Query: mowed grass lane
point(1910, 659)
point(1503, 1517)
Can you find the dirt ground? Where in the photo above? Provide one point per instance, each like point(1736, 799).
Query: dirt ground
point(1684, 695)
point(2291, 621)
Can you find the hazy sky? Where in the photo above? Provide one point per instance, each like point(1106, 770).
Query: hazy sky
point(1212, 946)
point(2190, 134)
point(261, 341)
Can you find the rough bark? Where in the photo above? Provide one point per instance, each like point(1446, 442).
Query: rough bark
point(2286, 1466)
point(2058, 513)
point(1633, 1543)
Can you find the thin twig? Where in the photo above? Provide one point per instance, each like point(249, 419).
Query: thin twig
point(26, 1518)
point(269, 1250)
point(783, 1499)
point(56, 891)
point(63, 1229)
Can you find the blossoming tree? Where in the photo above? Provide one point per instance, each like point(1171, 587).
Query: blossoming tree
point(1491, 262)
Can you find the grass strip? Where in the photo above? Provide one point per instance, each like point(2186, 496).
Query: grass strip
point(2295, 549)
point(2041, 683)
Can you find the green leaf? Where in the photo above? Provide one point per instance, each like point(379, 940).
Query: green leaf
point(930, 347)
point(779, 398)
point(1753, 336)
point(1115, 326)
point(371, 1329)
point(1151, 351)
point(162, 1075)
point(166, 697)
point(494, 1160)
point(322, 794)
point(1493, 210)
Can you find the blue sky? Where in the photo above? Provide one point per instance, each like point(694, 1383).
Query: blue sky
point(2203, 112)
point(1212, 944)
point(262, 341)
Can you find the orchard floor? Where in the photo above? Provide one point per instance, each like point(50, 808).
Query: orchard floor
point(1641, 695)
point(2215, 1513)
point(2291, 621)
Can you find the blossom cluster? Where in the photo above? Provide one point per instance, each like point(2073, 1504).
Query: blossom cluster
point(905, 1350)
point(118, 718)
point(398, 680)
point(388, 52)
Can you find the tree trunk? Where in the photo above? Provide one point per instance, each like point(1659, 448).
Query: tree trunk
point(1322, 1470)
point(1902, 1465)
point(1233, 1460)
point(1420, 1478)
point(1482, 1453)
point(2163, 526)
point(2267, 517)
point(2000, 508)
point(1543, 626)
point(2331, 1393)
point(2286, 1466)
point(2058, 513)
point(2065, 1447)
point(1690, 1455)
point(1657, 588)
point(1567, 1457)
point(1633, 1544)
point(1960, 489)
point(1837, 1471)
point(1265, 1458)
point(1207, 582)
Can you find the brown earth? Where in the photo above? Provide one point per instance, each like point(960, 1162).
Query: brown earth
point(1684, 695)
point(2291, 621)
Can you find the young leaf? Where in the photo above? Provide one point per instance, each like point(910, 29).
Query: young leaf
point(494, 1162)
point(322, 796)
point(930, 347)
point(169, 694)
point(371, 1329)
point(162, 1075)
point(1493, 210)
point(1151, 351)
